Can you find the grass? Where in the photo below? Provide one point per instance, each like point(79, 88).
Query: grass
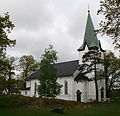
point(14, 101)
point(20, 101)
point(101, 111)
point(105, 110)
point(14, 108)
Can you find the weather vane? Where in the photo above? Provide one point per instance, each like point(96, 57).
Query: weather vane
point(88, 8)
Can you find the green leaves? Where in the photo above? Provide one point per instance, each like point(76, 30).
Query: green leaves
point(6, 67)
point(7, 72)
point(27, 65)
point(48, 86)
point(92, 58)
point(6, 26)
point(91, 61)
point(111, 72)
point(111, 26)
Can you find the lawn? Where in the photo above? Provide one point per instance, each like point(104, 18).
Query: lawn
point(108, 109)
point(27, 106)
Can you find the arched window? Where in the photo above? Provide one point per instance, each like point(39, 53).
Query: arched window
point(35, 88)
point(66, 87)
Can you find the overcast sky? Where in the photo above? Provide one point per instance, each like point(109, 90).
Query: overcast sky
point(61, 23)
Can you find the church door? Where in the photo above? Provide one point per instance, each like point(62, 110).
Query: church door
point(78, 95)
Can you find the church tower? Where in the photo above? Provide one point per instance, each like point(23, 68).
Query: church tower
point(90, 39)
point(91, 42)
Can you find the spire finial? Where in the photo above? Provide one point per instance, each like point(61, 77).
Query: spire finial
point(88, 8)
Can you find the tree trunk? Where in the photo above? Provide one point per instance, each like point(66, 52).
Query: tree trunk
point(9, 83)
point(106, 80)
point(96, 85)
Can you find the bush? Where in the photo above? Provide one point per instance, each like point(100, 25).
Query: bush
point(115, 99)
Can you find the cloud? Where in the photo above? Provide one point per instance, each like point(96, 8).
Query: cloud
point(61, 23)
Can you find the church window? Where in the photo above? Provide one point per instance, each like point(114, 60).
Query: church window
point(66, 87)
point(35, 88)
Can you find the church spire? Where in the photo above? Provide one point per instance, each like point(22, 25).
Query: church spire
point(90, 37)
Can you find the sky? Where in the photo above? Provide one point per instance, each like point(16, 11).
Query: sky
point(61, 23)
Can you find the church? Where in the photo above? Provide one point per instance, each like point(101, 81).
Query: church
point(84, 90)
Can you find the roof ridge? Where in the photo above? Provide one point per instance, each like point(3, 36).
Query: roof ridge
point(66, 61)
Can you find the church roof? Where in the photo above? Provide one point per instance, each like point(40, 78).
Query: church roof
point(90, 37)
point(63, 69)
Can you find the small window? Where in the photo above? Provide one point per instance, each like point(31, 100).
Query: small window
point(66, 87)
point(35, 89)
point(25, 92)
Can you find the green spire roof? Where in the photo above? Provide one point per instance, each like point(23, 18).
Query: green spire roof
point(90, 37)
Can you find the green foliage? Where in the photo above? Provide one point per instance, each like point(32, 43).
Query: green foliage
point(2, 84)
point(7, 73)
point(115, 95)
point(27, 65)
point(6, 27)
point(48, 86)
point(111, 26)
point(10, 72)
point(111, 72)
point(19, 84)
point(91, 60)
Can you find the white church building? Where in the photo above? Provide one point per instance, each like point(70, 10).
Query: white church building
point(67, 72)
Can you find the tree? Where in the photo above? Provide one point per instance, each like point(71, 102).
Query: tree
point(10, 72)
point(2, 84)
point(111, 72)
point(111, 26)
point(2, 64)
point(27, 65)
point(6, 26)
point(48, 85)
point(7, 73)
point(91, 61)
point(3, 68)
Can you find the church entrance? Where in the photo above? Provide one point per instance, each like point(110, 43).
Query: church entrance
point(78, 95)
